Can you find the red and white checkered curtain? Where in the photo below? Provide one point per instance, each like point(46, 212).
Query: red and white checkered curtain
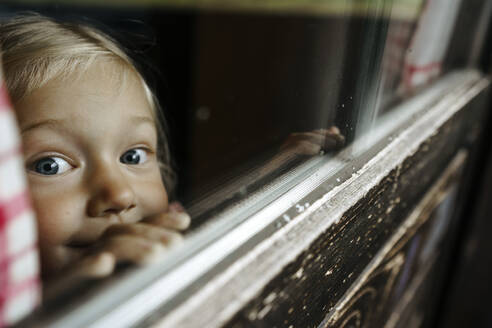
point(19, 262)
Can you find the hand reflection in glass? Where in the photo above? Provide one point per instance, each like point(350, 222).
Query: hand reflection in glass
point(314, 142)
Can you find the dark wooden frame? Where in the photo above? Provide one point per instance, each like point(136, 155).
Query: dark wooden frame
point(319, 284)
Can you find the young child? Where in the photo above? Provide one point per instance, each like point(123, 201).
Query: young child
point(96, 156)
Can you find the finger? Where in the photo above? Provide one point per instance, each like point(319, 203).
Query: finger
point(171, 220)
point(334, 133)
point(94, 266)
point(135, 249)
point(334, 140)
point(176, 207)
point(146, 231)
point(321, 140)
point(318, 136)
point(331, 130)
point(94, 228)
point(322, 132)
point(308, 143)
point(305, 147)
point(312, 135)
point(299, 143)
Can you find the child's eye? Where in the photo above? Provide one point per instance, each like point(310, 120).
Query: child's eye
point(134, 156)
point(51, 166)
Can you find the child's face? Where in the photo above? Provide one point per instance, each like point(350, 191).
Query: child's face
point(90, 149)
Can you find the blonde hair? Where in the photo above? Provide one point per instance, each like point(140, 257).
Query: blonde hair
point(37, 49)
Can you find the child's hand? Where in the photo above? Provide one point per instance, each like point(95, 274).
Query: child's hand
point(175, 218)
point(314, 142)
point(141, 243)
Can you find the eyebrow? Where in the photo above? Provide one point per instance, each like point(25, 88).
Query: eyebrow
point(35, 125)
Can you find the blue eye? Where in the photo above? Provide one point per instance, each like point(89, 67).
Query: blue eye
point(134, 156)
point(51, 166)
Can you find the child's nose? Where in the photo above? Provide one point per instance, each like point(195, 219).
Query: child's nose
point(111, 194)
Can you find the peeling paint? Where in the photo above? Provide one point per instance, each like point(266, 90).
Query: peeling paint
point(270, 298)
point(298, 273)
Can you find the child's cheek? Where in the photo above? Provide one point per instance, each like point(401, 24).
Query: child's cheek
point(153, 197)
point(59, 216)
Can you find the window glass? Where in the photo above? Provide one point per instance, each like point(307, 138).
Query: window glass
point(241, 84)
